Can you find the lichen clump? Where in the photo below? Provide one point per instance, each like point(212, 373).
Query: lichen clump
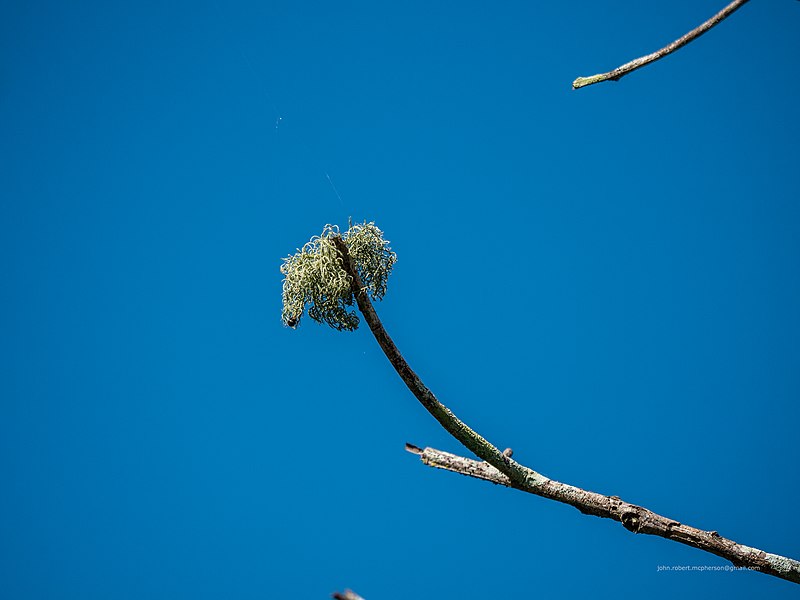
point(314, 276)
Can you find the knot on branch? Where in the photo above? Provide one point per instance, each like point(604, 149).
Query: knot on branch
point(632, 521)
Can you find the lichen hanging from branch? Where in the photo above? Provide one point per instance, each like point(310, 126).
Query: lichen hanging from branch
point(314, 277)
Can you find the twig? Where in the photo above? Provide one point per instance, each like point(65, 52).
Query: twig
point(455, 426)
point(634, 518)
point(638, 63)
point(502, 469)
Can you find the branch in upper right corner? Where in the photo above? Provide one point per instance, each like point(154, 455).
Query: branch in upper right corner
point(638, 63)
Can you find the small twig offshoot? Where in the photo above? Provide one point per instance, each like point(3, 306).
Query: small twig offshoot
point(314, 277)
point(638, 63)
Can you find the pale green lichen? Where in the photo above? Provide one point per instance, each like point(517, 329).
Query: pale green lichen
point(314, 276)
point(584, 81)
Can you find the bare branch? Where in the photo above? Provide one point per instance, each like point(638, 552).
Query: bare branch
point(500, 468)
point(638, 63)
point(634, 518)
point(455, 426)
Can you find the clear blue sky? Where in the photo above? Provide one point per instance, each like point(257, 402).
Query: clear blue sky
point(606, 280)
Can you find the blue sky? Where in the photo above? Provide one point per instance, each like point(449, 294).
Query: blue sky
point(605, 280)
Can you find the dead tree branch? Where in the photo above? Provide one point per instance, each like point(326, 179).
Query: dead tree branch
point(501, 468)
point(636, 519)
point(638, 63)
